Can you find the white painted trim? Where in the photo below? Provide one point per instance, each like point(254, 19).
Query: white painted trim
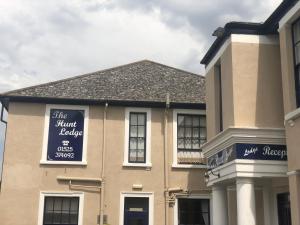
point(242, 38)
point(148, 137)
point(248, 168)
point(252, 135)
point(175, 113)
point(293, 173)
point(289, 16)
point(149, 195)
point(46, 133)
point(293, 115)
point(44, 194)
point(183, 166)
point(192, 196)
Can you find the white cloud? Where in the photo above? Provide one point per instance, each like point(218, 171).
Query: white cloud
point(49, 40)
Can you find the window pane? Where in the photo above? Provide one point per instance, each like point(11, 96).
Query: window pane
point(188, 132)
point(141, 119)
point(133, 131)
point(180, 120)
point(66, 204)
point(57, 204)
point(296, 29)
point(133, 143)
point(141, 155)
point(49, 204)
point(297, 53)
point(133, 119)
point(132, 155)
point(65, 218)
point(196, 121)
point(48, 218)
point(196, 144)
point(196, 132)
point(188, 143)
point(180, 132)
point(180, 143)
point(141, 143)
point(74, 204)
point(141, 131)
point(188, 120)
point(203, 121)
point(203, 133)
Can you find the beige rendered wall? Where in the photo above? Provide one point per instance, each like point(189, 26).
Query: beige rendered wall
point(257, 88)
point(24, 177)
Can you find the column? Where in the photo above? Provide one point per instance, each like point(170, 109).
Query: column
point(245, 195)
point(268, 204)
point(219, 205)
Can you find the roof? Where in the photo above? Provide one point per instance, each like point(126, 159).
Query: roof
point(269, 27)
point(144, 81)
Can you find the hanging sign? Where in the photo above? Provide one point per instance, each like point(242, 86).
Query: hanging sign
point(65, 138)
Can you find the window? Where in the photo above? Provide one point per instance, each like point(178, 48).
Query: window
point(193, 211)
point(189, 130)
point(65, 134)
point(219, 95)
point(137, 137)
point(296, 45)
point(61, 208)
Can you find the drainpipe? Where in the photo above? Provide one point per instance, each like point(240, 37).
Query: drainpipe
point(103, 166)
point(166, 161)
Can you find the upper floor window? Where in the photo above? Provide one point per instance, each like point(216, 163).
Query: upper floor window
point(65, 134)
point(137, 137)
point(189, 132)
point(296, 45)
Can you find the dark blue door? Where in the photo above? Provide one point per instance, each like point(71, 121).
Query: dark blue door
point(136, 211)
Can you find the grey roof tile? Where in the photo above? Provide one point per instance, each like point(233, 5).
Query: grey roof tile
point(140, 81)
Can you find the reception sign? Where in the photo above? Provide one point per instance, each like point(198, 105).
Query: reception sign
point(65, 137)
point(248, 151)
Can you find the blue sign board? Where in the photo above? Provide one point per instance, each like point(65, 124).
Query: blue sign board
point(65, 138)
point(248, 151)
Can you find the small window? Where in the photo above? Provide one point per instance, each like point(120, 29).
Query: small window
point(61, 210)
point(137, 137)
point(191, 132)
point(296, 45)
point(193, 212)
point(189, 136)
point(137, 150)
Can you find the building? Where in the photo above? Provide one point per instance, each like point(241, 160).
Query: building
point(253, 98)
point(118, 146)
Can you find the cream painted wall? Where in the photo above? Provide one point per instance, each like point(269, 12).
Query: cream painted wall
point(24, 177)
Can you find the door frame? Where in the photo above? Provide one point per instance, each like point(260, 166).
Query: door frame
point(149, 195)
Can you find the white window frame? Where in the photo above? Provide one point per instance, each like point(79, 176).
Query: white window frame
point(175, 114)
point(149, 195)
point(44, 194)
point(46, 134)
point(193, 196)
point(148, 137)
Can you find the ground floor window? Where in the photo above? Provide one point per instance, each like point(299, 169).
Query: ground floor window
point(193, 211)
point(60, 208)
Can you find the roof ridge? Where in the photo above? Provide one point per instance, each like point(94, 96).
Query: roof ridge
point(181, 70)
point(93, 73)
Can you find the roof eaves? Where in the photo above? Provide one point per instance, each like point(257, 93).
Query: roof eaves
point(270, 26)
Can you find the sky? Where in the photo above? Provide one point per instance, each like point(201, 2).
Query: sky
point(42, 41)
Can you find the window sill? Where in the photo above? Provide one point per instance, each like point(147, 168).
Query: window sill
point(142, 165)
point(186, 166)
point(45, 162)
